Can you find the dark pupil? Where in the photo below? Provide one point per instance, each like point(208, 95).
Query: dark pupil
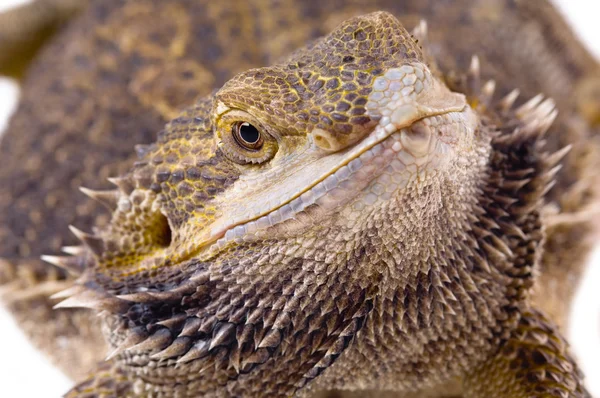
point(249, 133)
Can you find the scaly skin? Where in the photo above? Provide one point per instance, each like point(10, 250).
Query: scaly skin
point(364, 244)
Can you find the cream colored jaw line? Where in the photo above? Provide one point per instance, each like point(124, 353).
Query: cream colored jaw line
point(207, 239)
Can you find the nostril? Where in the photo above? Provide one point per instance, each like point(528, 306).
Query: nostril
point(325, 140)
point(322, 142)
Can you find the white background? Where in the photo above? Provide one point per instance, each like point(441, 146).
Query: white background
point(26, 373)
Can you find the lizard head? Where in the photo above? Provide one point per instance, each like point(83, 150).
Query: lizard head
point(335, 132)
point(280, 205)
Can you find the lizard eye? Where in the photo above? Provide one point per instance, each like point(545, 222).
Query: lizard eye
point(245, 140)
point(247, 136)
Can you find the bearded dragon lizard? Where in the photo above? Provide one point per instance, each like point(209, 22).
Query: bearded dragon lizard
point(378, 213)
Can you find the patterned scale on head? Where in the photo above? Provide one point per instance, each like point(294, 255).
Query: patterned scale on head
point(344, 189)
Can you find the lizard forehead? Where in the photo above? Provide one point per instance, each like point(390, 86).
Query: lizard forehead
point(325, 86)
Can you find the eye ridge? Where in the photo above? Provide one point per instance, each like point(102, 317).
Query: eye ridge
point(247, 136)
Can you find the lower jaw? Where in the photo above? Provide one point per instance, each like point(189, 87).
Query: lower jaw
point(371, 177)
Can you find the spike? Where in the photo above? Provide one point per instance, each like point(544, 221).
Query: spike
point(191, 326)
point(123, 183)
point(235, 359)
point(199, 350)
point(420, 32)
point(475, 67)
point(175, 293)
point(142, 150)
point(487, 92)
point(271, 340)
point(548, 187)
point(95, 244)
point(137, 297)
point(515, 185)
point(513, 230)
point(208, 324)
point(154, 296)
point(157, 341)
point(528, 208)
point(547, 121)
point(136, 336)
point(480, 232)
point(551, 174)
point(269, 318)
point(545, 108)
point(482, 263)
point(557, 156)
point(222, 335)
point(505, 201)
point(529, 106)
point(108, 198)
point(531, 128)
point(473, 81)
point(502, 246)
point(282, 320)
point(173, 322)
point(149, 297)
point(73, 250)
point(257, 357)
point(508, 101)
point(73, 265)
point(538, 122)
point(493, 252)
point(93, 300)
point(244, 335)
point(180, 346)
point(520, 173)
point(73, 290)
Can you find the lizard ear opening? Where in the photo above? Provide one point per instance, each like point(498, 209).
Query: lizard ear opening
point(164, 234)
point(137, 232)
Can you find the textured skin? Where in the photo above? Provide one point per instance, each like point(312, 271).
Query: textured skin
point(425, 291)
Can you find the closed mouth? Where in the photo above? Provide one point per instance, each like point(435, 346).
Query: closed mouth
point(360, 166)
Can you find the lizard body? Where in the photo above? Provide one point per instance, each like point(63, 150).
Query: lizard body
point(365, 214)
